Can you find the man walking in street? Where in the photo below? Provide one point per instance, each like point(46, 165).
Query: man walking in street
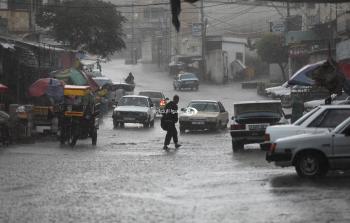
point(170, 117)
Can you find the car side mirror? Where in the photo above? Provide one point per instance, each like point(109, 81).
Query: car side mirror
point(152, 105)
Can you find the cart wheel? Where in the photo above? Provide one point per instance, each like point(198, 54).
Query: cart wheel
point(94, 137)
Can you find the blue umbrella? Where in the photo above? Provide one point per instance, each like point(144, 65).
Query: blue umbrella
point(304, 75)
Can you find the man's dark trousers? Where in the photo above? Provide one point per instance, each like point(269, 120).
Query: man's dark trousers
point(171, 133)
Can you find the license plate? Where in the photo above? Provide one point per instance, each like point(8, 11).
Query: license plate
point(129, 119)
point(258, 127)
point(198, 123)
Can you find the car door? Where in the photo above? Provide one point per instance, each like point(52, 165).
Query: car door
point(328, 119)
point(340, 157)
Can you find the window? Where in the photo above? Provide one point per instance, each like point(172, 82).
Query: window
point(306, 116)
point(331, 118)
point(239, 56)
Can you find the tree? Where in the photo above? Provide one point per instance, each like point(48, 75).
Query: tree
point(91, 25)
point(271, 49)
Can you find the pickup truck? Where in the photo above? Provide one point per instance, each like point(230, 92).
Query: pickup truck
point(318, 120)
point(313, 155)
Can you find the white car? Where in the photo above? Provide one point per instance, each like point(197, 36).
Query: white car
point(343, 99)
point(320, 119)
point(208, 115)
point(278, 90)
point(314, 154)
point(134, 109)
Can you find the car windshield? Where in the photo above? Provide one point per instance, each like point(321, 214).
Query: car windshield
point(258, 109)
point(205, 106)
point(306, 116)
point(187, 76)
point(152, 94)
point(133, 101)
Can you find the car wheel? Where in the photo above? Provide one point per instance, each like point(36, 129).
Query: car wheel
point(115, 123)
point(147, 123)
point(311, 165)
point(182, 129)
point(236, 146)
point(224, 127)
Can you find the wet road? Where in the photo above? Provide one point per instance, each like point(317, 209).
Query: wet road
point(127, 177)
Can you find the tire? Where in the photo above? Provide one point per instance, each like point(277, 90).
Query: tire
point(224, 127)
point(94, 137)
point(73, 140)
point(115, 124)
point(182, 129)
point(236, 146)
point(147, 123)
point(311, 165)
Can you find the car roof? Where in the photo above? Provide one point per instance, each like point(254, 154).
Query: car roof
point(257, 102)
point(151, 91)
point(335, 106)
point(135, 96)
point(212, 101)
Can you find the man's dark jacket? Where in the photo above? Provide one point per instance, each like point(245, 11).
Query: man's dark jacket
point(170, 116)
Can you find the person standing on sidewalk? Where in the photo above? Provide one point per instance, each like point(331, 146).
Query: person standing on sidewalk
point(170, 117)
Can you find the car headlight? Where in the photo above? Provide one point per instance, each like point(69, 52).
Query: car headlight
point(184, 118)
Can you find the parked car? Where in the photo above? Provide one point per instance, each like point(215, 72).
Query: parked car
point(343, 99)
point(186, 80)
point(157, 97)
point(251, 119)
point(207, 114)
point(277, 91)
point(320, 119)
point(134, 109)
point(313, 155)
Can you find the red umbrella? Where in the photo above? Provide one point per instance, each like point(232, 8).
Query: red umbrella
point(3, 88)
point(46, 86)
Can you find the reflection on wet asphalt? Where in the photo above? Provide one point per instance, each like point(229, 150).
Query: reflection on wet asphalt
point(127, 177)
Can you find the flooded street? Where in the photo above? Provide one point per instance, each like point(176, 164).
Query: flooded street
point(128, 177)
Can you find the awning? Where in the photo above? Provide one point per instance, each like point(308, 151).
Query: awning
point(304, 75)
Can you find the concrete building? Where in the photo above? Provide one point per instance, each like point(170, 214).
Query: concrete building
point(221, 54)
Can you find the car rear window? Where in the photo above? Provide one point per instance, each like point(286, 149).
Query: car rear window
point(152, 94)
point(133, 101)
point(306, 116)
point(187, 76)
point(257, 108)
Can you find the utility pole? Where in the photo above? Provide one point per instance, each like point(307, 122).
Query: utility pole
point(132, 34)
point(203, 38)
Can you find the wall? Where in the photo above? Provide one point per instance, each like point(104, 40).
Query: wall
point(18, 21)
point(232, 48)
point(215, 66)
point(147, 50)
